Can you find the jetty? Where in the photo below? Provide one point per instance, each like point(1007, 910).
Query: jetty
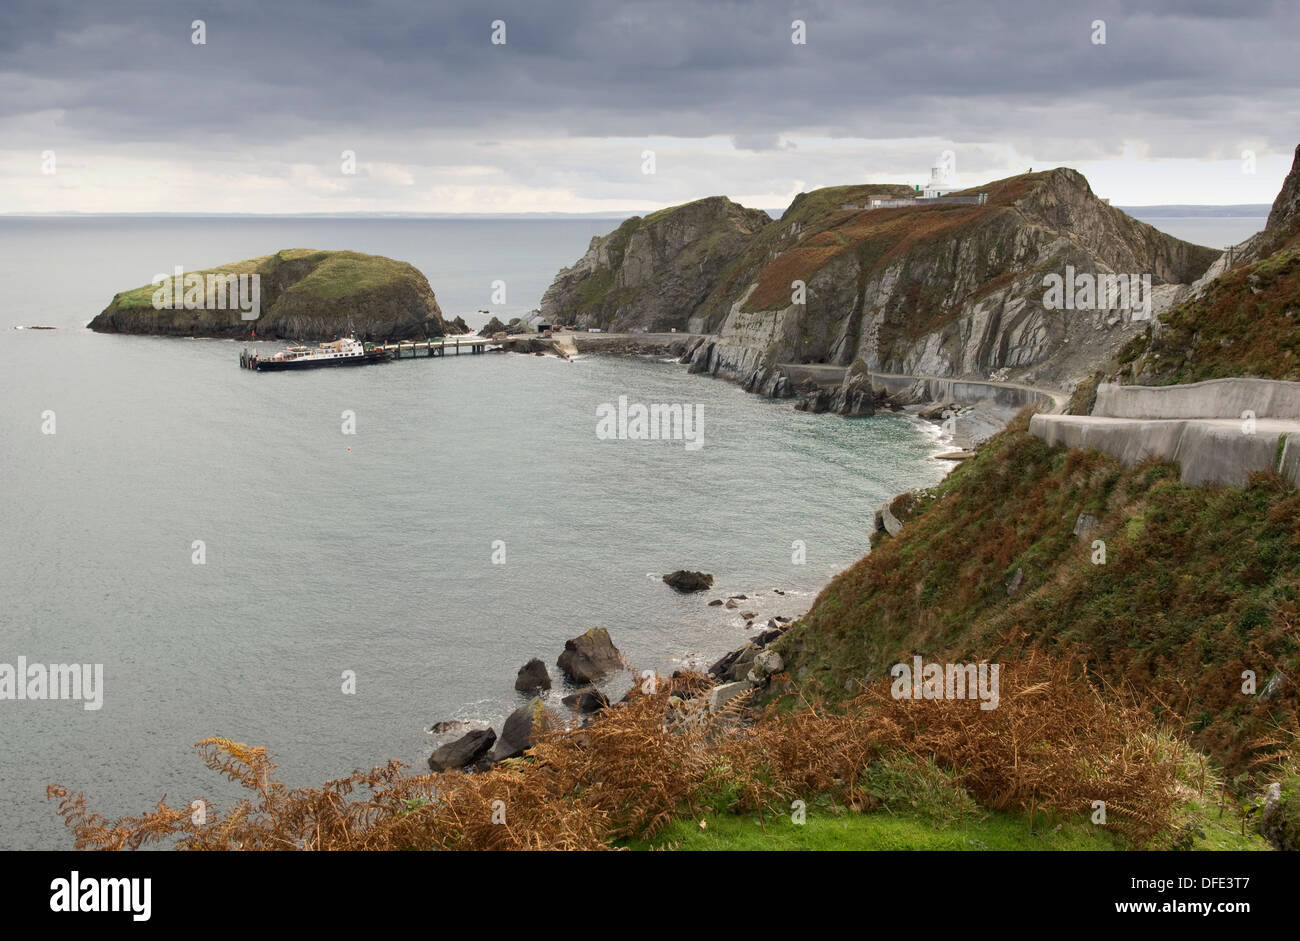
point(437, 346)
point(295, 357)
point(566, 344)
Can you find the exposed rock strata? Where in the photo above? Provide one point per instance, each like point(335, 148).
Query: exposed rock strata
point(943, 290)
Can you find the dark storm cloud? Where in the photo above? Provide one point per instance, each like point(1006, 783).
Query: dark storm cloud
point(1191, 78)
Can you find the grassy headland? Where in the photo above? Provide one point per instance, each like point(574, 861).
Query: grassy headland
point(301, 294)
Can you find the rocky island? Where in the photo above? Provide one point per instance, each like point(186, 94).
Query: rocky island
point(300, 294)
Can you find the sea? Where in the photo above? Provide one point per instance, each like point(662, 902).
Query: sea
point(327, 563)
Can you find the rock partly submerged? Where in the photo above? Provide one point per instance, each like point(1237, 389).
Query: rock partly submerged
point(590, 657)
point(464, 751)
point(520, 729)
point(532, 676)
point(687, 581)
point(586, 700)
point(301, 294)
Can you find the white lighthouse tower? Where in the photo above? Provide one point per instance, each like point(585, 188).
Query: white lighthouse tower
point(941, 183)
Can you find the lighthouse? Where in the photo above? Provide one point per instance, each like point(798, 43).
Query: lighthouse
point(941, 183)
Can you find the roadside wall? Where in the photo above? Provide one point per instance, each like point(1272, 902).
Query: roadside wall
point(1214, 398)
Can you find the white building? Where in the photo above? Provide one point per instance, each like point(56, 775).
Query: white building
point(940, 184)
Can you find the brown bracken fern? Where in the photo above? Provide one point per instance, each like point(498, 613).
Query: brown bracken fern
point(1055, 743)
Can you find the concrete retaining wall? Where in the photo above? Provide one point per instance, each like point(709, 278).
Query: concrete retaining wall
point(1214, 398)
point(1130, 442)
point(1207, 451)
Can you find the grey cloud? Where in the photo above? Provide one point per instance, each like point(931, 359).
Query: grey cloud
point(956, 70)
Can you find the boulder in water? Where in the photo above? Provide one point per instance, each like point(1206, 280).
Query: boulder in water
point(532, 676)
point(687, 582)
point(517, 734)
point(589, 657)
point(586, 700)
point(464, 751)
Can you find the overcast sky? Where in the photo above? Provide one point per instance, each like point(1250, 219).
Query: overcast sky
point(139, 117)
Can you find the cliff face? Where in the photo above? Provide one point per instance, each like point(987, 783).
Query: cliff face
point(303, 295)
point(656, 272)
point(1281, 229)
point(1284, 218)
point(1242, 322)
point(943, 289)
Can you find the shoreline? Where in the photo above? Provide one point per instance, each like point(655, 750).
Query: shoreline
point(762, 623)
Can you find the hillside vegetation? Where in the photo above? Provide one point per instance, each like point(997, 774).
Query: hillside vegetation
point(1197, 586)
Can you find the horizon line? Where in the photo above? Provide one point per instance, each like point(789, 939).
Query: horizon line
point(1246, 210)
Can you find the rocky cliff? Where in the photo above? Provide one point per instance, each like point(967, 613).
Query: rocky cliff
point(1284, 218)
point(945, 289)
point(298, 294)
point(1240, 322)
point(654, 273)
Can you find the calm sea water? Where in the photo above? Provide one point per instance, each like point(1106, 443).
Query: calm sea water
point(1218, 233)
point(371, 552)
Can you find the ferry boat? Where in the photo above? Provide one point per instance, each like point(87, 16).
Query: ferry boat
point(348, 351)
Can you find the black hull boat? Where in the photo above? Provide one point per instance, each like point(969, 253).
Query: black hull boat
point(346, 352)
point(270, 365)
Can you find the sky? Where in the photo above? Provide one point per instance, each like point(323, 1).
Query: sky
point(606, 106)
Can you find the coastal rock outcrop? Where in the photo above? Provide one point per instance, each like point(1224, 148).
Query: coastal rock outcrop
point(886, 521)
point(299, 294)
point(532, 676)
point(948, 288)
point(752, 661)
point(1281, 228)
point(1284, 217)
point(687, 582)
point(854, 397)
point(589, 699)
point(653, 273)
point(464, 751)
point(590, 657)
point(519, 730)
